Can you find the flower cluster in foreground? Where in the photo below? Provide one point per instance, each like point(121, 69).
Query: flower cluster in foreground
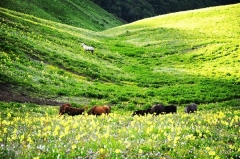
point(200, 135)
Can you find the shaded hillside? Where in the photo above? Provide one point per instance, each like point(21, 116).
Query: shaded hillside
point(138, 9)
point(177, 58)
point(83, 14)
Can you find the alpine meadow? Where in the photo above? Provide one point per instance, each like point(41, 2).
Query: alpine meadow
point(177, 58)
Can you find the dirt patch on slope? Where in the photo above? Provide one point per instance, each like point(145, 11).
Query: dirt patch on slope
point(7, 95)
point(10, 97)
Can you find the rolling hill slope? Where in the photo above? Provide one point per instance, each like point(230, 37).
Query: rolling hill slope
point(83, 14)
point(176, 58)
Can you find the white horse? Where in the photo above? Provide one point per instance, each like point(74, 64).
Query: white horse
point(87, 48)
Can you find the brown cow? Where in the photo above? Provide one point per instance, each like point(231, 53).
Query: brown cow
point(99, 110)
point(63, 107)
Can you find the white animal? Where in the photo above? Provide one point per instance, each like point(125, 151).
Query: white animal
point(87, 48)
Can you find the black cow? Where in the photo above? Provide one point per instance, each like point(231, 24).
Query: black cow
point(191, 108)
point(170, 109)
point(73, 111)
point(141, 112)
point(158, 109)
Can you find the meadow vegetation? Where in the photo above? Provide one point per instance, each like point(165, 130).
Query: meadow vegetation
point(178, 58)
point(29, 131)
point(83, 14)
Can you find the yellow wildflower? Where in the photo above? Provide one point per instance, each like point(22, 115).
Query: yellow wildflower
point(4, 122)
point(14, 136)
point(231, 146)
point(75, 125)
point(212, 153)
point(74, 146)
point(176, 139)
point(101, 150)
point(78, 137)
point(21, 138)
point(117, 151)
point(5, 130)
point(9, 115)
point(29, 140)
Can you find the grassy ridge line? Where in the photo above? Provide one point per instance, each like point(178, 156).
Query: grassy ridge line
point(80, 32)
point(84, 14)
point(210, 22)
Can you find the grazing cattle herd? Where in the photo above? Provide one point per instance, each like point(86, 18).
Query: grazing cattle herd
point(99, 110)
point(157, 109)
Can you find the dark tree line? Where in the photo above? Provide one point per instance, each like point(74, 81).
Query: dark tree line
point(132, 10)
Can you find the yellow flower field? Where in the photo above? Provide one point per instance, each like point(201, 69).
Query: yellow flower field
point(213, 134)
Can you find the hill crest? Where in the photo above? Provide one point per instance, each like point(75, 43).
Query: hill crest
point(83, 14)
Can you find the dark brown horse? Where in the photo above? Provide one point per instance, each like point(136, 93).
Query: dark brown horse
point(63, 107)
point(99, 110)
point(141, 112)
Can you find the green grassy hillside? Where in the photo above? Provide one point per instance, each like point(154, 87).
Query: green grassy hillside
point(83, 14)
point(177, 58)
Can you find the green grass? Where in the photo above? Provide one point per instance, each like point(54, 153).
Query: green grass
point(176, 58)
point(83, 14)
